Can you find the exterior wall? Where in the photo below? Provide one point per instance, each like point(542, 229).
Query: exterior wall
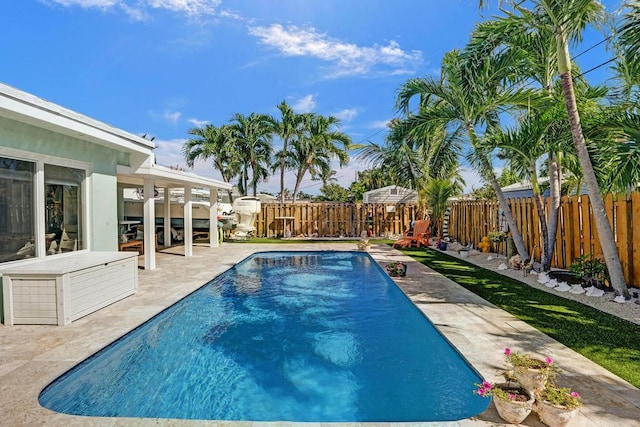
point(101, 182)
point(32, 143)
point(382, 195)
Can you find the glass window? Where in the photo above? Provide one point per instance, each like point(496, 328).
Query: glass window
point(17, 209)
point(63, 209)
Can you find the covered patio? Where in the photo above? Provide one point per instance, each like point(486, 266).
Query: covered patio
point(151, 177)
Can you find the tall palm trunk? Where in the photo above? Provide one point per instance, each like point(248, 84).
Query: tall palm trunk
point(544, 231)
point(555, 178)
point(607, 241)
point(282, 165)
point(487, 168)
point(538, 200)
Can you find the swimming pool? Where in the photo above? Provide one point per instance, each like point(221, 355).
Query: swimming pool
point(298, 336)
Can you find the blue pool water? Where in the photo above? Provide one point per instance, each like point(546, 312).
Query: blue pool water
point(294, 336)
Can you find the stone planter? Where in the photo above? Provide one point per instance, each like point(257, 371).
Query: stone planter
point(463, 253)
point(554, 416)
point(513, 411)
point(530, 379)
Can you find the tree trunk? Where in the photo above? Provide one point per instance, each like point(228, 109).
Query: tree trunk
point(518, 240)
point(544, 231)
point(605, 234)
point(282, 165)
point(487, 169)
point(301, 172)
point(555, 178)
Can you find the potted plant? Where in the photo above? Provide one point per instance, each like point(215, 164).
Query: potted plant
point(397, 269)
point(530, 372)
point(363, 244)
point(496, 237)
point(591, 270)
point(512, 402)
point(556, 406)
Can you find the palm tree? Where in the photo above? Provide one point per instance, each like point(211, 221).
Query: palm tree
point(415, 161)
point(253, 135)
point(436, 193)
point(314, 151)
point(511, 32)
point(629, 41)
point(567, 19)
point(216, 144)
point(470, 95)
point(287, 128)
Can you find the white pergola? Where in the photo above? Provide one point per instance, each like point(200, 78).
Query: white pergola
point(152, 176)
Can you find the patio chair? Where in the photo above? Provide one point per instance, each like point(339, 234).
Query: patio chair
point(418, 236)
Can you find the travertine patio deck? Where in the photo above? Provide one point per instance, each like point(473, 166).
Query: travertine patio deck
point(32, 356)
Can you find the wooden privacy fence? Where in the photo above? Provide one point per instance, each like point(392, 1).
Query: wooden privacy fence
point(334, 219)
point(577, 235)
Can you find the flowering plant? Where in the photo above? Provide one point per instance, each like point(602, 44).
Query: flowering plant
point(559, 396)
point(396, 269)
point(522, 361)
point(508, 392)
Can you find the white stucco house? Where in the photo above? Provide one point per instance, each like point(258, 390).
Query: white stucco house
point(62, 177)
point(390, 194)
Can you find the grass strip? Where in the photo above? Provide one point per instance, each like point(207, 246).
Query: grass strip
point(607, 340)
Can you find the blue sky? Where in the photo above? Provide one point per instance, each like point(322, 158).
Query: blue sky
point(160, 67)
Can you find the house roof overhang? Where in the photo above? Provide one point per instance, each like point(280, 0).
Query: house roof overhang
point(166, 177)
point(27, 108)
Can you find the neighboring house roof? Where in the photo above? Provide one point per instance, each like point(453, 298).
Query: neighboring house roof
point(524, 188)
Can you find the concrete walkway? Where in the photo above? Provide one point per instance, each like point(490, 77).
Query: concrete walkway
point(32, 356)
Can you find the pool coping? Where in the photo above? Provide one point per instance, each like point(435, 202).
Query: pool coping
point(32, 356)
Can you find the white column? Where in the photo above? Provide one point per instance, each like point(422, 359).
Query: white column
point(167, 218)
point(149, 225)
point(213, 218)
point(188, 222)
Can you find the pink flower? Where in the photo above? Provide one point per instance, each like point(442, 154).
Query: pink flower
point(574, 394)
point(507, 351)
point(511, 396)
point(486, 385)
point(548, 361)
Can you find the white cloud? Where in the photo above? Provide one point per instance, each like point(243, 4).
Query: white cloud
point(169, 152)
point(190, 7)
point(137, 9)
point(198, 123)
point(172, 116)
point(100, 4)
point(346, 58)
point(380, 124)
point(347, 114)
point(305, 104)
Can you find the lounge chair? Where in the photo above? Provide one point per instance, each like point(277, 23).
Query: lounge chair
point(418, 236)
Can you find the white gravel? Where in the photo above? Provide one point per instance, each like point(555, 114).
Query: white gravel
point(629, 310)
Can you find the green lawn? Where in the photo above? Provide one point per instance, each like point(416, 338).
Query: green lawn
point(607, 340)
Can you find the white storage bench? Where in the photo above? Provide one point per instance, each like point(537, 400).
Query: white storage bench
point(60, 289)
